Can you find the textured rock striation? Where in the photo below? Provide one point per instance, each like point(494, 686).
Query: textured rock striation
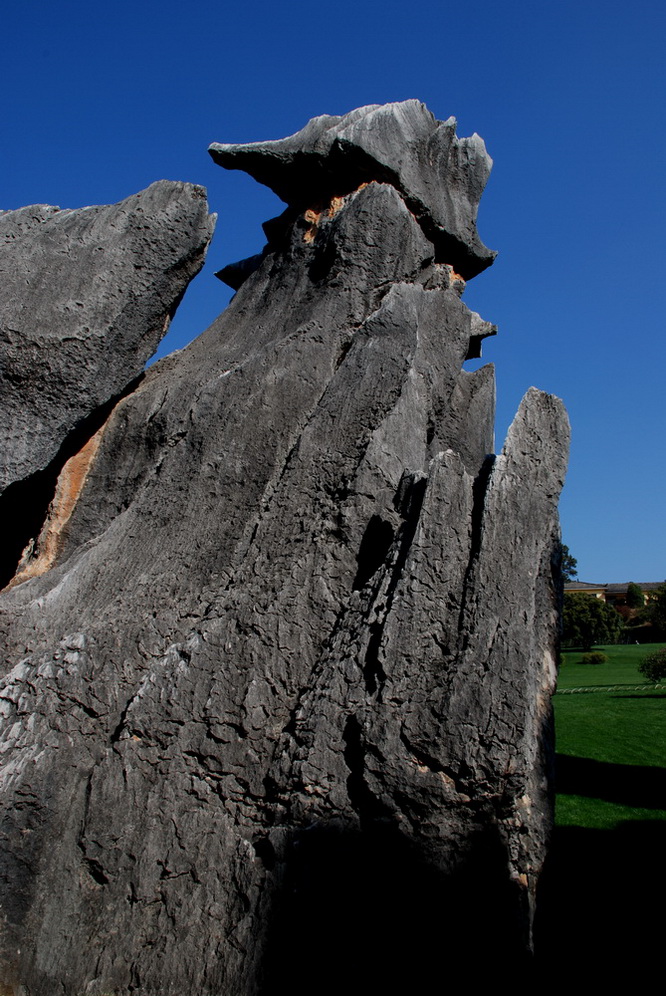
point(87, 295)
point(278, 714)
point(439, 177)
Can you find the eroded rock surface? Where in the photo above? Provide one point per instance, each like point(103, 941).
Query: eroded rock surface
point(278, 716)
point(439, 176)
point(87, 295)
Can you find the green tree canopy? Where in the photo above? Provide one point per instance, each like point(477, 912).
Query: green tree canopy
point(588, 621)
point(655, 610)
point(635, 597)
point(654, 666)
point(569, 564)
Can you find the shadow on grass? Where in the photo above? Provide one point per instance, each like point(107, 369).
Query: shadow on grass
point(639, 786)
point(600, 901)
point(646, 694)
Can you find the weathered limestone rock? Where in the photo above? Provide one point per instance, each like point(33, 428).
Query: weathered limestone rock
point(277, 717)
point(440, 177)
point(87, 295)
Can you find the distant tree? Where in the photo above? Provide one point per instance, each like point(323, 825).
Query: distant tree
point(654, 666)
point(655, 610)
point(635, 596)
point(588, 621)
point(569, 564)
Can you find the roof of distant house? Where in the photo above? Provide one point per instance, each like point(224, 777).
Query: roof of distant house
point(611, 586)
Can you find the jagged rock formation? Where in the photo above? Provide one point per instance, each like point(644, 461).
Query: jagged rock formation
point(278, 715)
point(439, 177)
point(87, 296)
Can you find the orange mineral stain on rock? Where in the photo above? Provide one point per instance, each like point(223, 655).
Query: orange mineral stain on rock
point(41, 554)
point(455, 278)
point(314, 215)
point(335, 205)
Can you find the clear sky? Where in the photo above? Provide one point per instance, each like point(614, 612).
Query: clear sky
point(97, 102)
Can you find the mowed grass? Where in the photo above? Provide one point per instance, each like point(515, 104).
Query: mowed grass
point(604, 874)
point(620, 669)
point(611, 741)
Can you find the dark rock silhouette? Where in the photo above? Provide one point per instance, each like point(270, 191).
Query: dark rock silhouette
point(281, 704)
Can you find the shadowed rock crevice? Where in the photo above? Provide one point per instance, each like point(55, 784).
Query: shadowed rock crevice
point(408, 501)
point(30, 510)
point(366, 805)
point(375, 545)
point(479, 490)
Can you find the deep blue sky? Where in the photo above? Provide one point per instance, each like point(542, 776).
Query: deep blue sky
point(98, 102)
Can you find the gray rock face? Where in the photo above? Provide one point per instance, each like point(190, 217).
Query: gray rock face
point(87, 295)
point(277, 717)
point(440, 177)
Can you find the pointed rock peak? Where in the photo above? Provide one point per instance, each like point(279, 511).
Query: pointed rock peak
point(540, 435)
point(87, 295)
point(440, 176)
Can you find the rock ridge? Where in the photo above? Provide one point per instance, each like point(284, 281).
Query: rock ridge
point(440, 177)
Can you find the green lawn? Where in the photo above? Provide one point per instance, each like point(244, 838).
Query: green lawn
point(605, 872)
point(621, 668)
point(611, 741)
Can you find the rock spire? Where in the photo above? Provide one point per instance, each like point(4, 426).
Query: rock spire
point(278, 712)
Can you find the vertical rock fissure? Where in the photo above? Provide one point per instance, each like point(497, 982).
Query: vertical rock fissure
point(27, 504)
point(408, 501)
point(479, 491)
point(367, 806)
